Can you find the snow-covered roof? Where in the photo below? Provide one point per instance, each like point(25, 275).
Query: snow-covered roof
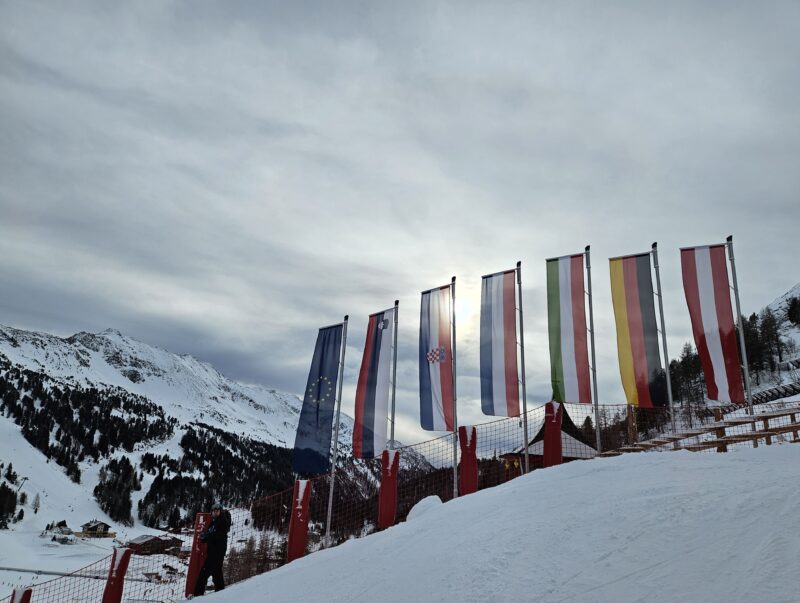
point(573, 445)
point(570, 448)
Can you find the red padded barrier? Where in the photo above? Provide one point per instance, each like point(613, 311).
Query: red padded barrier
point(468, 470)
point(198, 555)
point(387, 497)
point(552, 434)
point(116, 575)
point(298, 523)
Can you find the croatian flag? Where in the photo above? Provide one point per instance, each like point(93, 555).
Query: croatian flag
point(436, 399)
point(499, 375)
point(705, 283)
point(373, 389)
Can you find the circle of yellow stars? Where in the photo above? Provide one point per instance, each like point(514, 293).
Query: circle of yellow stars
point(325, 387)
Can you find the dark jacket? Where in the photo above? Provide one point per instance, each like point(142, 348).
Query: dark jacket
point(216, 535)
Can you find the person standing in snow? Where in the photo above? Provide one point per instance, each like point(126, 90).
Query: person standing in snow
point(216, 539)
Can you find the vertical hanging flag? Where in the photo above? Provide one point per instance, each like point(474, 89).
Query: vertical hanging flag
point(312, 445)
point(566, 321)
point(374, 387)
point(705, 284)
point(499, 375)
point(436, 399)
point(640, 367)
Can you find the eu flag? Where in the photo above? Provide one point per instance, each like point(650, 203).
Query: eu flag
point(312, 444)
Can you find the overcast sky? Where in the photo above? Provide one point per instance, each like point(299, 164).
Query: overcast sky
point(221, 179)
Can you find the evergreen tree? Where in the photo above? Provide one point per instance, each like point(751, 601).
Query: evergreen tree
point(113, 492)
point(793, 311)
point(770, 336)
point(10, 474)
point(690, 381)
point(755, 346)
point(588, 429)
point(8, 504)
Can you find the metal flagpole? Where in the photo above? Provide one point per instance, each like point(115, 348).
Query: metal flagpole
point(394, 373)
point(598, 442)
point(741, 327)
point(522, 362)
point(664, 336)
point(455, 397)
point(336, 434)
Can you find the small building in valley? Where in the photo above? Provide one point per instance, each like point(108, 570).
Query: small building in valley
point(149, 544)
point(96, 529)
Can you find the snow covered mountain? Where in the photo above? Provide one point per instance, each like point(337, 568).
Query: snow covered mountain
point(104, 426)
point(152, 435)
point(789, 330)
point(184, 387)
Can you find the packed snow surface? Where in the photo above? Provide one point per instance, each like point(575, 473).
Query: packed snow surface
point(660, 526)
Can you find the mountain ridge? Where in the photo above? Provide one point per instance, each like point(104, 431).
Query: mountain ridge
point(188, 388)
point(72, 397)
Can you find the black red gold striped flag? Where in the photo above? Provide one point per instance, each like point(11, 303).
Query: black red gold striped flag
point(643, 377)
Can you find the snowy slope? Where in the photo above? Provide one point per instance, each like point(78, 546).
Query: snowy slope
point(20, 545)
point(642, 527)
point(788, 330)
point(186, 388)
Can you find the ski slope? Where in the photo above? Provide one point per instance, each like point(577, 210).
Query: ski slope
point(640, 527)
point(20, 545)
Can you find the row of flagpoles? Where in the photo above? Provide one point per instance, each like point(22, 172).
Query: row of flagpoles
point(502, 352)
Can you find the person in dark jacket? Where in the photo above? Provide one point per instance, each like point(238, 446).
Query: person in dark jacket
point(216, 539)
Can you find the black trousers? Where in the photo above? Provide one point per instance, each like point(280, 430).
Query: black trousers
point(213, 568)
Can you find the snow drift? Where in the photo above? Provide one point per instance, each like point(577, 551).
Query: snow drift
point(647, 527)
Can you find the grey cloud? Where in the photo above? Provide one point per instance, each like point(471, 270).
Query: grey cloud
point(222, 179)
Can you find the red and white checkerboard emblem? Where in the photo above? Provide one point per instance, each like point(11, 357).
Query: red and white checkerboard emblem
point(436, 355)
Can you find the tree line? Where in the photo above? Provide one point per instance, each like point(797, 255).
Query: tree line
point(71, 424)
point(213, 465)
point(766, 350)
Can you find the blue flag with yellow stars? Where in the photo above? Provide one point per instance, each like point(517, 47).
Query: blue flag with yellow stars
point(312, 444)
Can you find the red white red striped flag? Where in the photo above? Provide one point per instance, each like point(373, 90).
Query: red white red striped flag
point(705, 283)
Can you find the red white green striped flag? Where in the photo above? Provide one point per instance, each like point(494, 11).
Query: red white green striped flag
point(566, 318)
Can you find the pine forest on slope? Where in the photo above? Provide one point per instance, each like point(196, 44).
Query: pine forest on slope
point(165, 434)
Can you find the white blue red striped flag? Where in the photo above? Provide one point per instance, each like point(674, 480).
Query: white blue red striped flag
point(436, 399)
point(499, 375)
point(374, 387)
